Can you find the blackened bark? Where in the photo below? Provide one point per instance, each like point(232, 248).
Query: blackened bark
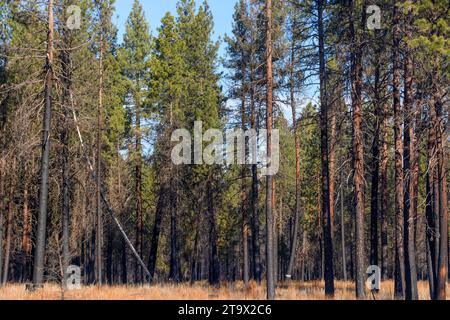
point(174, 272)
point(399, 196)
point(9, 225)
point(38, 271)
point(326, 212)
point(138, 272)
point(409, 209)
point(358, 152)
point(156, 231)
point(214, 267)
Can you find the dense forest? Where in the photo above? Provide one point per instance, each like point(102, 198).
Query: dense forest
point(357, 91)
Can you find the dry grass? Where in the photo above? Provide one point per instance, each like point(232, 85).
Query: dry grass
point(201, 291)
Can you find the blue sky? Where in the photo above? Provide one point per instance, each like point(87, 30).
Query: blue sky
point(222, 11)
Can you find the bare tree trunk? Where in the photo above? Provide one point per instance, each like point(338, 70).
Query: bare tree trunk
point(38, 272)
point(2, 203)
point(99, 219)
point(295, 123)
point(269, 186)
point(156, 231)
point(174, 272)
point(375, 171)
point(245, 229)
point(344, 262)
point(431, 231)
point(408, 177)
point(138, 192)
point(9, 225)
point(384, 198)
point(442, 271)
point(64, 137)
point(358, 153)
point(399, 196)
point(214, 267)
point(26, 235)
point(326, 211)
point(255, 194)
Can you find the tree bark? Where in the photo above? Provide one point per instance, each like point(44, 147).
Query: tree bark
point(98, 173)
point(156, 231)
point(38, 271)
point(442, 272)
point(384, 197)
point(326, 206)
point(399, 195)
point(409, 209)
point(214, 266)
point(269, 186)
point(358, 153)
point(295, 123)
point(9, 225)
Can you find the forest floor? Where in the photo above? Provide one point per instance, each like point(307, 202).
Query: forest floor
point(201, 291)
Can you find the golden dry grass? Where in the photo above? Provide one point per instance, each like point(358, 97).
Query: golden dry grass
point(201, 291)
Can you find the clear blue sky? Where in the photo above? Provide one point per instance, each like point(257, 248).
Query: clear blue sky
point(222, 11)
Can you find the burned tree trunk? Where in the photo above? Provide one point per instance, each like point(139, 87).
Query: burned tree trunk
point(326, 211)
point(38, 271)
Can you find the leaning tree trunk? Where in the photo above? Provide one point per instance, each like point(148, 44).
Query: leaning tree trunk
point(39, 255)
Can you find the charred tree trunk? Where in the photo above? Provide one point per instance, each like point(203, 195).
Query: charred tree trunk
point(374, 214)
point(214, 266)
point(409, 209)
point(38, 271)
point(358, 152)
point(326, 211)
point(9, 225)
point(174, 272)
point(138, 272)
point(156, 231)
point(26, 233)
point(384, 197)
point(399, 196)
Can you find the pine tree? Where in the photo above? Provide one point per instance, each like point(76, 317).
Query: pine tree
point(135, 56)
